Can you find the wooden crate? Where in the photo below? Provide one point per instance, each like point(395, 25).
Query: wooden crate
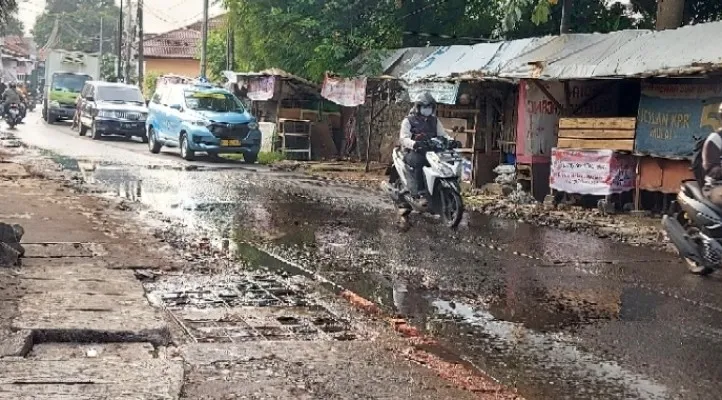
point(597, 133)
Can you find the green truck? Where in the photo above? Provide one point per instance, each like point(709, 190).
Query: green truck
point(65, 75)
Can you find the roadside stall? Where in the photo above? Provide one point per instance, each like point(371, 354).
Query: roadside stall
point(294, 118)
point(477, 106)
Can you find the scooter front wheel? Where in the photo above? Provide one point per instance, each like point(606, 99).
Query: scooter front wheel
point(452, 207)
point(697, 269)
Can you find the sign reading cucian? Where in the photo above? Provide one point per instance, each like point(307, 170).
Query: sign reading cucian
point(672, 116)
point(344, 91)
point(443, 92)
point(262, 88)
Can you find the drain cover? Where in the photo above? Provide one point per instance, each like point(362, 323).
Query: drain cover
point(245, 307)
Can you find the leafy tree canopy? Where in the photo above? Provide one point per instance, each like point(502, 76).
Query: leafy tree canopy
point(12, 26)
point(8, 8)
point(79, 24)
point(598, 16)
point(310, 37)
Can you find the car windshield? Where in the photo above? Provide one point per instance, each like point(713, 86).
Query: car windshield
point(212, 101)
point(119, 94)
point(69, 83)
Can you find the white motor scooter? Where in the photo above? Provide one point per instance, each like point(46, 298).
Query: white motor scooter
point(442, 178)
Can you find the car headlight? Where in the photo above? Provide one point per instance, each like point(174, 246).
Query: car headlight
point(106, 114)
point(55, 104)
point(253, 125)
point(201, 122)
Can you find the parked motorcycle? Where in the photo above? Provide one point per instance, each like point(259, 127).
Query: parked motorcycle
point(31, 103)
point(442, 178)
point(12, 116)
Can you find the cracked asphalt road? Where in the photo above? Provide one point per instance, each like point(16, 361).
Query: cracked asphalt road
point(557, 315)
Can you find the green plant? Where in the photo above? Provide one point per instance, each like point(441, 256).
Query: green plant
point(270, 157)
point(149, 82)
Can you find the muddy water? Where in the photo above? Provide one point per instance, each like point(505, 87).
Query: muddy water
point(557, 315)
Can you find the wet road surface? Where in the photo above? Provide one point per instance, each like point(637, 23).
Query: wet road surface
point(557, 315)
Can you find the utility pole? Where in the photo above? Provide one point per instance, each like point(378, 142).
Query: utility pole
point(204, 45)
point(141, 59)
point(566, 17)
point(100, 50)
point(119, 50)
point(229, 45)
point(128, 42)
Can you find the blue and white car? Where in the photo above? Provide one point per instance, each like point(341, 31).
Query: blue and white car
point(201, 118)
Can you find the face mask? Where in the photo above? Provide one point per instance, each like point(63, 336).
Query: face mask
point(426, 111)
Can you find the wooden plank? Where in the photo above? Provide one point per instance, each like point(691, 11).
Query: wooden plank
point(596, 134)
point(596, 144)
point(290, 113)
point(597, 123)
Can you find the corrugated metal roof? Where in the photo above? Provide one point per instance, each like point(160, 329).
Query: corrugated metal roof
point(687, 50)
point(624, 54)
point(573, 56)
point(469, 62)
point(394, 62)
point(231, 75)
point(450, 60)
point(407, 59)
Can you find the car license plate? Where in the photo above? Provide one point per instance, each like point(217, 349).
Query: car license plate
point(128, 125)
point(230, 143)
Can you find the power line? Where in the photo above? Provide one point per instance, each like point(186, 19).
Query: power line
point(424, 8)
point(441, 36)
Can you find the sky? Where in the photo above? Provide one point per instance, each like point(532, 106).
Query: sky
point(160, 15)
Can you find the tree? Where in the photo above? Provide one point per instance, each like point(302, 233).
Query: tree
point(693, 12)
point(12, 26)
point(669, 14)
point(8, 8)
point(79, 24)
point(216, 53)
point(584, 16)
point(309, 37)
point(608, 17)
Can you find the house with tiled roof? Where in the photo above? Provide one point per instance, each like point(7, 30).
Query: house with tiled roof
point(177, 51)
point(18, 58)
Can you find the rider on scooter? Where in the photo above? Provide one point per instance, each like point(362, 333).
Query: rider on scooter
point(417, 128)
point(712, 164)
point(10, 96)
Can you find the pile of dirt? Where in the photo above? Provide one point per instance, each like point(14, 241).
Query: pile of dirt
point(624, 228)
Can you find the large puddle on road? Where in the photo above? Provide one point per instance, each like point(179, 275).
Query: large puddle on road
point(526, 320)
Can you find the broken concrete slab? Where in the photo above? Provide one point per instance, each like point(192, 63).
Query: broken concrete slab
point(15, 344)
point(87, 304)
point(12, 170)
point(308, 370)
point(90, 379)
point(60, 250)
point(73, 317)
point(115, 351)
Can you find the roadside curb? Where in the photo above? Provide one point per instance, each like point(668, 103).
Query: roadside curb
point(458, 374)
